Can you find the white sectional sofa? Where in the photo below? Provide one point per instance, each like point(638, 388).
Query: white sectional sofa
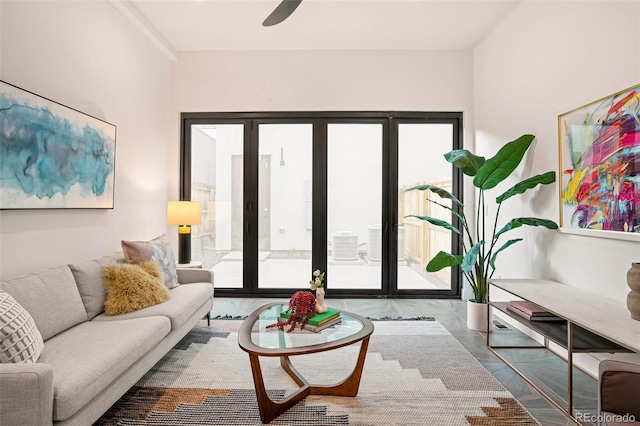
point(90, 359)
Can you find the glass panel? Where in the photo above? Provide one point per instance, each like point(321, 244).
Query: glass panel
point(421, 161)
point(216, 181)
point(354, 206)
point(284, 205)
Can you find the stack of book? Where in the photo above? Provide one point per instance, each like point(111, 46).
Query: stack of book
point(318, 321)
point(531, 311)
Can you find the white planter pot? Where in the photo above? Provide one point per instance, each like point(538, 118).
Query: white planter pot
point(478, 316)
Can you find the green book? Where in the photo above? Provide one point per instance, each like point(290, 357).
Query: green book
point(317, 319)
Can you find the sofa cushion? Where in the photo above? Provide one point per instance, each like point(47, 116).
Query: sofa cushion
point(20, 340)
point(88, 357)
point(185, 300)
point(133, 287)
point(51, 297)
point(91, 284)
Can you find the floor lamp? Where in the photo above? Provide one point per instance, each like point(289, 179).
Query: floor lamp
point(184, 214)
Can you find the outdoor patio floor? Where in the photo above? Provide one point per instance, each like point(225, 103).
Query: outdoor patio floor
point(295, 273)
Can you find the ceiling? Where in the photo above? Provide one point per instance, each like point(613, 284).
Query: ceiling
point(193, 25)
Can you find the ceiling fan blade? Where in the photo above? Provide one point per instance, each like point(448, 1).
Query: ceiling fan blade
point(282, 12)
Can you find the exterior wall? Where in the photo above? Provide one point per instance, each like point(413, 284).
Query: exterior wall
point(87, 56)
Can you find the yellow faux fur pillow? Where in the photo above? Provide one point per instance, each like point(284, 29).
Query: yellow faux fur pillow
point(133, 287)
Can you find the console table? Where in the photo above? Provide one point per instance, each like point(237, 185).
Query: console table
point(590, 323)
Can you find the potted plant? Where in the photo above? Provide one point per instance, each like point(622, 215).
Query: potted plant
point(302, 306)
point(482, 246)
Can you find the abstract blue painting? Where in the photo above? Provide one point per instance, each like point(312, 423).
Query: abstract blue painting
point(52, 156)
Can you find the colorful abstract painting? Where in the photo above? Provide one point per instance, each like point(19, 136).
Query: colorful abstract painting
point(52, 156)
point(600, 165)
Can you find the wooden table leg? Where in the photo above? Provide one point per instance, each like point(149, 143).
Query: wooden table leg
point(270, 409)
point(286, 365)
point(348, 387)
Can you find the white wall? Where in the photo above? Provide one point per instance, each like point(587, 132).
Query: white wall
point(542, 60)
point(321, 81)
point(89, 57)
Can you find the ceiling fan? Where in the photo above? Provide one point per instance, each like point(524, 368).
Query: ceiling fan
point(281, 12)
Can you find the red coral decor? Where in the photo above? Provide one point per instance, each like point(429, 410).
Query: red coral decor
point(302, 306)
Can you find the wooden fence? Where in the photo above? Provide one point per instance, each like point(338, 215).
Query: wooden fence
point(422, 239)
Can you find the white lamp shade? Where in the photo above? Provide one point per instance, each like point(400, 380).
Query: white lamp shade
point(183, 213)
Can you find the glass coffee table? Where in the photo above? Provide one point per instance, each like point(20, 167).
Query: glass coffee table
point(255, 339)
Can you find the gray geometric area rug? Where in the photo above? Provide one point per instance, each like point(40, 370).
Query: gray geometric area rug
point(415, 373)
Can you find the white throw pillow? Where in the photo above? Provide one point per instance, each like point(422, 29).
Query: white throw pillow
point(20, 340)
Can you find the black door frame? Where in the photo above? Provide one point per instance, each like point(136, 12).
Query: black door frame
point(320, 120)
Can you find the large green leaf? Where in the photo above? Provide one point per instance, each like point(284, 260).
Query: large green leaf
point(492, 262)
point(471, 256)
point(500, 166)
point(462, 216)
point(532, 182)
point(437, 222)
point(443, 260)
point(531, 221)
point(436, 190)
point(464, 160)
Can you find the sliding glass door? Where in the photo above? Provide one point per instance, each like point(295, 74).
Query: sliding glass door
point(217, 175)
point(420, 162)
point(354, 206)
point(286, 193)
point(285, 172)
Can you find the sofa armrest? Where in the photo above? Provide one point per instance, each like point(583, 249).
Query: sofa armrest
point(26, 394)
point(194, 275)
